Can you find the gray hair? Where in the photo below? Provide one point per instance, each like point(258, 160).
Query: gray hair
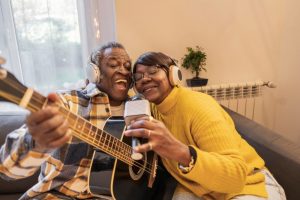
point(97, 55)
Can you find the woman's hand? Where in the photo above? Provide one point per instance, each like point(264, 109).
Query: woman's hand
point(160, 140)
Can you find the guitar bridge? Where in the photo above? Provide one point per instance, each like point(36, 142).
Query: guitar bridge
point(153, 171)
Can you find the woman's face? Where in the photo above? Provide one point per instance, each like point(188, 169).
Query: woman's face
point(154, 84)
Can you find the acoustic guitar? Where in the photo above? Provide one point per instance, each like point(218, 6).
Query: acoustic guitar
point(131, 180)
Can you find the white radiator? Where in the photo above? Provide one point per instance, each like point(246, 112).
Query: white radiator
point(240, 97)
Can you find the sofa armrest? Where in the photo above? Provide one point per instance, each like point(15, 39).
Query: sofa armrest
point(282, 156)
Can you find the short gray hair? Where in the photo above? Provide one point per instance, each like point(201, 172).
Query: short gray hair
point(97, 55)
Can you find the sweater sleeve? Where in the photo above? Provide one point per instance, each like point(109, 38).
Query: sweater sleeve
point(219, 166)
point(17, 157)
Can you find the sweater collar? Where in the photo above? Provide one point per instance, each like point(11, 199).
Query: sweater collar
point(169, 102)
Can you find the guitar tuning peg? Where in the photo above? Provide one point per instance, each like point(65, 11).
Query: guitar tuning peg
point(2, 60)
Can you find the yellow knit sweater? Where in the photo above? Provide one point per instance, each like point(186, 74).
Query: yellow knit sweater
point(226, 163)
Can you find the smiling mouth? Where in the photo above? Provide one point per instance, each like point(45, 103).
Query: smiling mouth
point(148, 89)
point(121, 83)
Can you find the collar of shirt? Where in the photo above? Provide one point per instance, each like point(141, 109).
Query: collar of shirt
point(91, 90)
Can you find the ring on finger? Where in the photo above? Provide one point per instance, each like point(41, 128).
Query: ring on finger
point(150, 146)
point(150, 118)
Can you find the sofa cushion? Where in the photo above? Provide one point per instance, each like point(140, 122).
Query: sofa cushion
point(10, 122)
point(282, 156)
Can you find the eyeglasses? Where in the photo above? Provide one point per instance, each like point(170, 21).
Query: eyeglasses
point(151, 71)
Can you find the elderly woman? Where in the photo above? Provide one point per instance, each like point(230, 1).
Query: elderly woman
point(196, 139)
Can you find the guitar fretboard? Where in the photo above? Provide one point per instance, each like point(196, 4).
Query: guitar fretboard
point(98, 138)
point(81, 128)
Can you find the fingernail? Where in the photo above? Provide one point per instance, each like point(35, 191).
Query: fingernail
point(128, 127)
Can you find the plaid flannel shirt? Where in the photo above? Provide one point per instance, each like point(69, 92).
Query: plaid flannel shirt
point(64, 171)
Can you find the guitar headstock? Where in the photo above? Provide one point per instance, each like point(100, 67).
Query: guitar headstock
point(11, 89)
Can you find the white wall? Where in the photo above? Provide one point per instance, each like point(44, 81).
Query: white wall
point(245, 40)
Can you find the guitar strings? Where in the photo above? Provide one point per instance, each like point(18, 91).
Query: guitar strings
point(40, 99)
point(119, 154)
point(123, 146)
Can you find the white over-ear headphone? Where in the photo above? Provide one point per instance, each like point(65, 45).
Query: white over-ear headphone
point(175, 75)
point(93, 73)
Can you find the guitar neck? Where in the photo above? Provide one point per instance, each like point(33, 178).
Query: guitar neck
point(15, 92)
point(84, 130)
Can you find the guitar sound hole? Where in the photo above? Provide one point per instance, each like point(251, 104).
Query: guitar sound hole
point(137, 170)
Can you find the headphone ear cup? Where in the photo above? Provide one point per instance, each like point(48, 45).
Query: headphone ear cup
point(175, 75)
point(93, 73)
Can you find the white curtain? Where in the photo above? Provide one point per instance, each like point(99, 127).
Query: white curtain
point(46, 42)
point(49, 43)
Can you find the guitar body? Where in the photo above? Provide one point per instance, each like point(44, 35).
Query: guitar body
point(130, 182)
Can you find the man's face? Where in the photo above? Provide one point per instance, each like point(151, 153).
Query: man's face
point(116, 79)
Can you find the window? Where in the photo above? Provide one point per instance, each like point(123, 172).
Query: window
point(47, 42)
point(49, 46)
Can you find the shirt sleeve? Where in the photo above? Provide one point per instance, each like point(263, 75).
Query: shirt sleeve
point(17, 156)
